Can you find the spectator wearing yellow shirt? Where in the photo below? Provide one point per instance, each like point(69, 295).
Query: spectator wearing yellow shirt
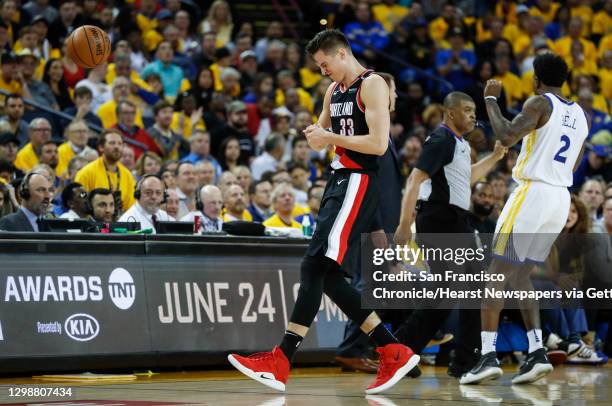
point(28, 40)
point(283, 202)
point(219, 20)
point(577, 62)
point(108, 172)
point(523, 45)
point(511, 83)
point(122, 66)
point(389, 14)
point(605, 75)
point(602, 21)
point(580, 81)
point(507, 10)
point(563, 46)
point(224, 60)
point(40, 133)
point(234, 204)
point(439, 26)
point(8, 82)
point(108, 111)
point(585, 13)
point(77, 134)
point(545, 9)
point(310, 74)
point(285, 82)
point(188, 118)
point(513, 30)
point(147, 23)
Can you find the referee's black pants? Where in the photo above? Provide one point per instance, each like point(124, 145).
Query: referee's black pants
point(422, 324)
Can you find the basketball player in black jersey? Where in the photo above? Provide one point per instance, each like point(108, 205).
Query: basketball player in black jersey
point(356, 107)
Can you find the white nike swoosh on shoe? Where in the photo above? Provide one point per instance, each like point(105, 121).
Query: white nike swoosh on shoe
point(537, 372)
point(488, 374)
point(265, 378)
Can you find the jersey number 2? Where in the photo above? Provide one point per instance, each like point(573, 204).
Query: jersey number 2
point(346, 126)
point(566, 144)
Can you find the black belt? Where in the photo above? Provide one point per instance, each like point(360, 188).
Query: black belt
point(426, 205)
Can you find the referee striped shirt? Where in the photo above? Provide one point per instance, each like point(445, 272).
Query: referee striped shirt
point(446, 159)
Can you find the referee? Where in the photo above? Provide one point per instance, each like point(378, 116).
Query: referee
point(441, 182)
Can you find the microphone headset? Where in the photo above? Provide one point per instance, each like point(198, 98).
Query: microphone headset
point(24, 186)
point(138, 192)
point(199, 205)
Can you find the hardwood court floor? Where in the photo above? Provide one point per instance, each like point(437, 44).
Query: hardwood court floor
point(327, 387)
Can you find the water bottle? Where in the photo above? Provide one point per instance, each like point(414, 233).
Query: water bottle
point(306, 226)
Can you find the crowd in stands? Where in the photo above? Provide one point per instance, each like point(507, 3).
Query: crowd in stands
point(215, 106)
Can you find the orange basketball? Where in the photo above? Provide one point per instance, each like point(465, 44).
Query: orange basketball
point(88, 46)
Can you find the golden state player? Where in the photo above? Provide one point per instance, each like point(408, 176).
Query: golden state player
point(535, 213)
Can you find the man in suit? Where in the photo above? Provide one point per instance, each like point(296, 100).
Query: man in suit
point(352, 352)
point(35, 191)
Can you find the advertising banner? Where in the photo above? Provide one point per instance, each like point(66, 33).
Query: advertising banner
point(54, 305)
point(222, 303)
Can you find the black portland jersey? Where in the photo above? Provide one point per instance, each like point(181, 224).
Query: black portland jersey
point(347, 114)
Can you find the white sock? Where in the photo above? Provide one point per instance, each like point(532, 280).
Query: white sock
point(535, 339)
point(489, 339)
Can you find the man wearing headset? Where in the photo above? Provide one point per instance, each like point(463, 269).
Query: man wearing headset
point(150, 193)
point(208, 208)
point(35, 192)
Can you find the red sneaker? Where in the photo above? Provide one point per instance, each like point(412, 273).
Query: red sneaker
point(396, 360)
point(269, 368)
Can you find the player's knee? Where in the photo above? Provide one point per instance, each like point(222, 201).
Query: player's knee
point(312, 273)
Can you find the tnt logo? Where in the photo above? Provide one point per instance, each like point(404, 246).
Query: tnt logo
point(121, 288)
point(81, 327)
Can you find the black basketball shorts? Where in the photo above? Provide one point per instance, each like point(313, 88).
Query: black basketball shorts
point(348, 207)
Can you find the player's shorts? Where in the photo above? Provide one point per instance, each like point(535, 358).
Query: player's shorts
point(530, 222)
point(348, 207)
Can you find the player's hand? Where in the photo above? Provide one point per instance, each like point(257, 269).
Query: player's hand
point(499, 150)
point(379, 239)
point(403, 235)
point(316, 137)
point(493, 88)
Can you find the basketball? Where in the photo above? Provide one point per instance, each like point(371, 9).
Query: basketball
point(88, 46)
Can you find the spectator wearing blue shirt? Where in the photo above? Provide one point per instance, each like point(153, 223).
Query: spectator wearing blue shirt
point(365, 31)
point(456, 64)
point(599, 119)
point(200, 151)
point(596, 160)
point(558, 27)
point(171, 75)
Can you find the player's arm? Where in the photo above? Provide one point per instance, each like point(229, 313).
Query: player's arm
point(511, 132)
point(403, 235)
point(484, 166)
point(375, 97)
point(324, 117)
